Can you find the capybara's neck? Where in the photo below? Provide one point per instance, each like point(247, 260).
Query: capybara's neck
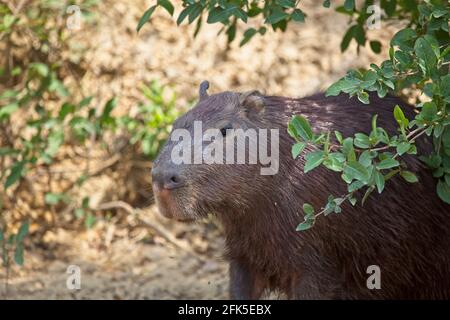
point(264, 236)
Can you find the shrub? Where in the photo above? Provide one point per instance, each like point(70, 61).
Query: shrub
point(40, 116)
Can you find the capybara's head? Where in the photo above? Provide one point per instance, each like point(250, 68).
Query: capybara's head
point(194, 173)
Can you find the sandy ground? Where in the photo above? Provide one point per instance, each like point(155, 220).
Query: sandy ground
point(128, 260)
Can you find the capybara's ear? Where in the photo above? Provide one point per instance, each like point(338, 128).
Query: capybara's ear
point(202, 90)
point(252, 101)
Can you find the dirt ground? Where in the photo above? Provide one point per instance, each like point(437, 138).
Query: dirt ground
point(128, 259)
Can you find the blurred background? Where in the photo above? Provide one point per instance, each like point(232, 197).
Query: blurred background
point(84, 108)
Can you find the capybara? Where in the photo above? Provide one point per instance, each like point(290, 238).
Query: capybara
point(404, 231)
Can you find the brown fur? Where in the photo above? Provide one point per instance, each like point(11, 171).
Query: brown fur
point(405, 230)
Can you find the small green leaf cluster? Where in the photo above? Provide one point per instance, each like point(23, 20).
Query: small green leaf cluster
point(151, 127)
point(364, 161)
point(275, 13)
point(43, 109)
point(13, 244)
point(419, 57)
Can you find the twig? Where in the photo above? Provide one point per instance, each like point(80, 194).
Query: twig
point(322, 210)
point(105, 165)
point(158, 228)
point(410, 137)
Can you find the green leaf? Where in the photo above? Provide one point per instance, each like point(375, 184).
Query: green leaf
point(409, 176)
point(40, 68)
point(18, 254)
point(313, 160)
point(54, 198)
point(374, 124)
point(85, 102)
point(302, 127)
point(305, 225)
point(387, 164)
point(445, 85)
point(23, 231)
point(363, 97)
point(194, 14)
point(248, 34)
point(433, 161)
point(58, 87)
point(109, 106)
point(55, 140)
point(15, 174)
point(6, 111)
point(166, 5)
point(338, 136)
point(145, 17)
point(359, 35)
point(356, 32)
point(346, 39)
point(403, 147)
point(7, 151)
point(66, 109)
point(429, 111)
point(404, 39)
point(308, 209)
point(89, 221)
point(8, 94)
point(220, 15)
point(379, 181)
point(231, 32)
point(375, 46)
point(349, 5)
point(412, 149)
point(297, 149)
point(16, 71)
point(361, 140)
point(439, 172)
point(348, 150)
point(326, 3)
point(425, 53)
point(367, 194)
point(334, 89)
point(287, 3)
point(8, 20)
point(298, 15)
point(443, 191)
point(184, 13)
point(400, 117)
point(365, 158)
point(335, 161)
point(79, 213)
point(276, 16)
point(356, 171)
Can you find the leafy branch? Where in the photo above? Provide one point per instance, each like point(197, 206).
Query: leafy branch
point(419, 58)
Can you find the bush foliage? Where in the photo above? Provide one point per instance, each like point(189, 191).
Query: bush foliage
point(42, 110)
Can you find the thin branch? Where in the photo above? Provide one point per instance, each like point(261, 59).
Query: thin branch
point(156, 227)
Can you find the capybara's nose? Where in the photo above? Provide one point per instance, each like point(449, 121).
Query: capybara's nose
point(167, 178)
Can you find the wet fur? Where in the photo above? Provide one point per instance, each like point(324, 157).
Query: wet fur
point(405, 230)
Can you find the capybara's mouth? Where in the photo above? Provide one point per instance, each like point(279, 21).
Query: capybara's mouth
point(166, 201)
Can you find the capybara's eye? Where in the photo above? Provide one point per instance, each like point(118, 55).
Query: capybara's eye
point(224, 129)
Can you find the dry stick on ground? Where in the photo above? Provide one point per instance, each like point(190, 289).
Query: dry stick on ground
point(161, 230)
point(105, 165)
